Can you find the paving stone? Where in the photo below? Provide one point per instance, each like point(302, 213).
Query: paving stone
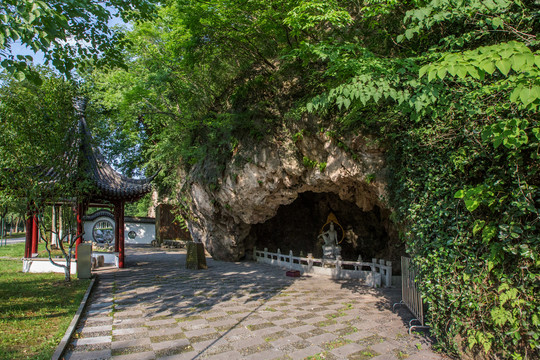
point(425, 355)
point(247, 342)
point(384, 347)
point(343, 351)
point(158, 323)
point(137, 320)
point(129, 331)
point(321, 339)
point(128, 314)
point(265, 355)
point(163, 332)
point(386, 357)
point(92, 329)
point(229, 355)
point(301, 329)
point(304, 353)
point(285, 341)
point(102, 312)
point(146, 355)
point(199, 332)
point(93, 340)
point(100, 305)
point(130, 343)
point(169, 344)
point(355, 336)
point(89, 355)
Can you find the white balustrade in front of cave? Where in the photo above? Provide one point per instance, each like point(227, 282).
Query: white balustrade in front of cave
point(379, 273)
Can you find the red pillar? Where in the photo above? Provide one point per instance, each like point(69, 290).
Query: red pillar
point(29, 232)
point(79, 226)
point(116, 226)
point(121, 236)
point(35, 234)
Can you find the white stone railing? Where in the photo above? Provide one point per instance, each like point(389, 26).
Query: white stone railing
point(379, 273)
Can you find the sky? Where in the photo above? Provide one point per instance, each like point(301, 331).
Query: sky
point(17, 48)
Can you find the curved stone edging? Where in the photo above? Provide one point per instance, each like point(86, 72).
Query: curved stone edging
point(73, 325)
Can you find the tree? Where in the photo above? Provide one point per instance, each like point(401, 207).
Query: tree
point(73, 34)
point(38, 130)
point(65, 232)
point(39, 152)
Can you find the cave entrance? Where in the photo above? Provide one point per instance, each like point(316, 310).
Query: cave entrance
point(297, 225)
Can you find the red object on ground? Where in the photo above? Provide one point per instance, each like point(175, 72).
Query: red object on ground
point(293, 273)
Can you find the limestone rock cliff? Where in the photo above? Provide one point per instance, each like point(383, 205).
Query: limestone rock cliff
point(258, 181)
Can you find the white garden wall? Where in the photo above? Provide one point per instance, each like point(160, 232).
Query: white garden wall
point(137, 230)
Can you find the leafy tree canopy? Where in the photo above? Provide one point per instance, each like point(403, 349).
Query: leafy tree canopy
point(73, 34)
point(40, 140)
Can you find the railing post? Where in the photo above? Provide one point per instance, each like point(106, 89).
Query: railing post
point(279, 257)
point(265, 254)
point(290, 259)
point(382, 270)
point(338, 267)
point(374, 267)
point(388, 273)
point(310, 262)
point(255, 254)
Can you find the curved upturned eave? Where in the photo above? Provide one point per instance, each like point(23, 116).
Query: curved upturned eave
point(111, 185)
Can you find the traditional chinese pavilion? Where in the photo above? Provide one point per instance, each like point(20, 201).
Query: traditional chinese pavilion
point(110, 189)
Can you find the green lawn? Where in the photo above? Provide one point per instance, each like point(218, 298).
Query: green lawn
point(17, 251)
point(12, 250)
point(15, 235)
point(35, 309)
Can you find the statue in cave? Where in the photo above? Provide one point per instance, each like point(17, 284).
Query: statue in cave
point(331, 249)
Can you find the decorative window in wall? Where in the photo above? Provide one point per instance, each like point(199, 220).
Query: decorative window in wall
point(103, 232)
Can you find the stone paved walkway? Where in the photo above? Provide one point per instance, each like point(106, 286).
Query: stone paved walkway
point(157, 309)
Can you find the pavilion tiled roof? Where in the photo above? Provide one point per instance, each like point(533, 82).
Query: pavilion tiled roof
point(110, 184)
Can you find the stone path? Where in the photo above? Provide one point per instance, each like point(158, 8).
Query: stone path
point(157, 309)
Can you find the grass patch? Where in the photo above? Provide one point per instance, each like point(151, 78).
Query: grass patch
point(275, 336)
point(371, 340)
point(201, 338)
point(320, 356)
point(189, 318)
point(12, 250)
point(334, 344)
point(16, 235)
point(363, 355)
point(174, 351)
point(326, 323)
point(254, 327)
point(17, 251)
point(335, 315)
point(346, 331)
point(35, 310)
point(401, 355)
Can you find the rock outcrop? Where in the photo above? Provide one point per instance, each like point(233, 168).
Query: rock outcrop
point(259, 180)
